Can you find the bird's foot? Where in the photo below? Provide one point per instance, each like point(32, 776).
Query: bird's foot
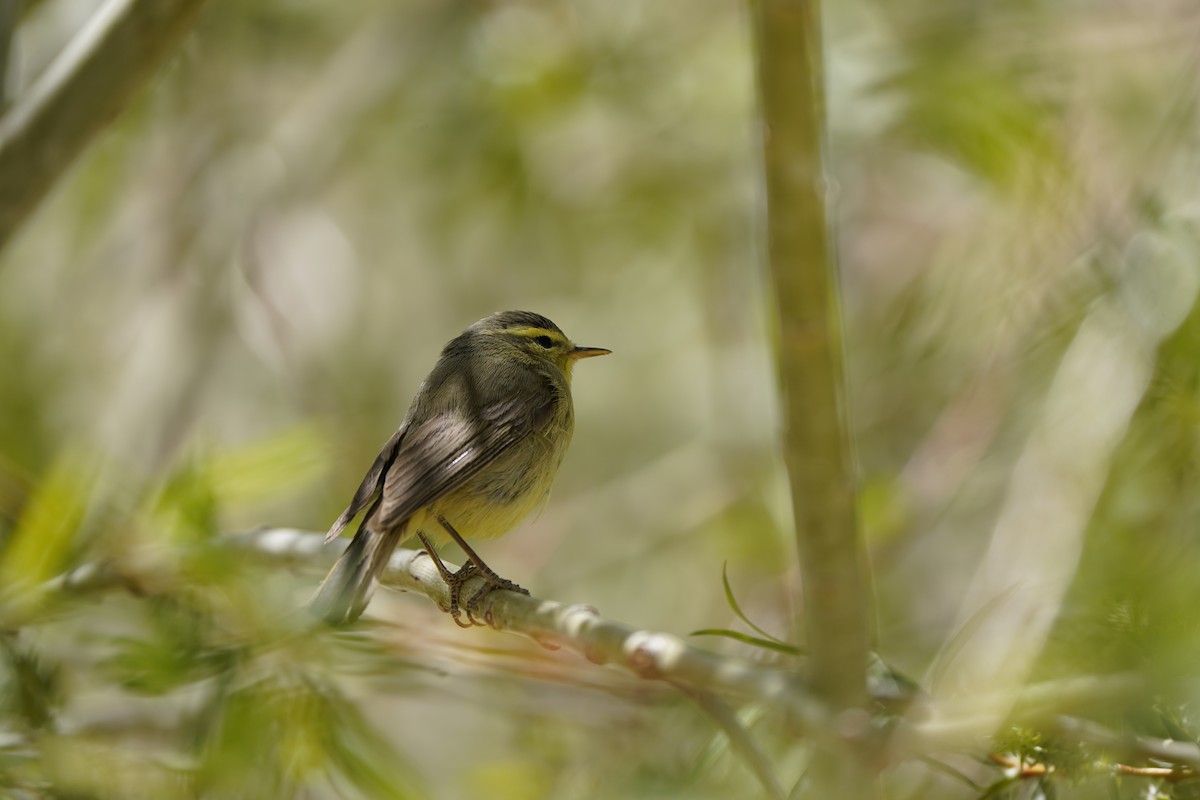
point(491, 583)
point(455, 581)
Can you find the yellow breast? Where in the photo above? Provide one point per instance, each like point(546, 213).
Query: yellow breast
point(505, 492)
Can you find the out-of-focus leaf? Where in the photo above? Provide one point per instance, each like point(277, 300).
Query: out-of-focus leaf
point(964, 634)
point(957, 775)
point(174, 652)
point(241, 758)
point(884, 509)
point(26, 441)
point(41, 542)
point(80, 767)
point(283, 463)
point(999, 788)
point(1025, 743)
point(30, 686)
point(186, 508)
point(888, 685)
point(510, 780)
point(989, 119)
point(286, 730)
point(359, 753)
point(1176, 727)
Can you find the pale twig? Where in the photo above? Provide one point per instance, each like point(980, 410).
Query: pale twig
point(963, 725)
point(580, 628)
point(1184, 757)
point(942, 726)
point(1186, 754)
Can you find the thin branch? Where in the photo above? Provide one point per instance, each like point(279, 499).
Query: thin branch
point(945, 723)
point(1018, 768)
point(1169, 774)
point(82, 91)
point(1186, 754)
point(963, 724)
point(740, 740)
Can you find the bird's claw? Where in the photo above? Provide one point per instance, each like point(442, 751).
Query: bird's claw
point(456, 580)
point(491, 583)
point(455, 583)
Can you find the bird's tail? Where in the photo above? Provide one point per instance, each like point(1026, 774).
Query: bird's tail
point(347, 588)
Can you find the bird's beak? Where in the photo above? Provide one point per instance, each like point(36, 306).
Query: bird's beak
point(587, 352)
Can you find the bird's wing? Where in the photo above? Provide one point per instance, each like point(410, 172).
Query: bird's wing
point(370, 486)
point(446, 450)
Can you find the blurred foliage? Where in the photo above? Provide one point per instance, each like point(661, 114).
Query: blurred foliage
point(225, 307)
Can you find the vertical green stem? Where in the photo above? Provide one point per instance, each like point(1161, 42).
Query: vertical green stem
point(816, 447)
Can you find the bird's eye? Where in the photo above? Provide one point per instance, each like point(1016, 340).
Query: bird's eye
point(544, 341)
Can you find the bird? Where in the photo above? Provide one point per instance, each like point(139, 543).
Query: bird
point(476, 453)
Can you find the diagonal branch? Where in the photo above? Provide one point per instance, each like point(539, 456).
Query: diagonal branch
point(82, 91)
point(934, 727)
point(649, 654)
point(740, 740)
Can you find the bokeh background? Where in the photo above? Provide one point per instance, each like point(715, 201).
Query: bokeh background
point(224, 308)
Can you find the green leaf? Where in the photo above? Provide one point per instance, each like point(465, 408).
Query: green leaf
point(755, 641)
point(46, 532)
point(186, 509)
point(283, 732)
point(733, 604)
point(945, 769)
point(999, 787)
point(32, 688)
point(270, 467)
point(357, 751)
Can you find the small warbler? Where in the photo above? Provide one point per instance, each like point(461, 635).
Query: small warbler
point(476, 453)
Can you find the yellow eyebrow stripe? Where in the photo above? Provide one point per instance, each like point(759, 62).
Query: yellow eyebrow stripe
point(531, 332)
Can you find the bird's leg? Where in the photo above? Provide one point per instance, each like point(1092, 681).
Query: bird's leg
point(454, 581)
point(492, 581)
